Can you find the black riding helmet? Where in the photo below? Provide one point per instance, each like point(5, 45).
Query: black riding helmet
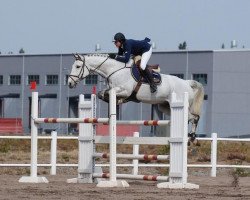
point(119, 37)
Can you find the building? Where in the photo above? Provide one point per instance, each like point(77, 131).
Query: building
point(225, 75)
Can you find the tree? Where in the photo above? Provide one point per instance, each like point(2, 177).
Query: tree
point(223, 46)
point(21, 51)
point(183, 45)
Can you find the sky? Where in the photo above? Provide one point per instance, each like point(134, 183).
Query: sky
point(67, 26)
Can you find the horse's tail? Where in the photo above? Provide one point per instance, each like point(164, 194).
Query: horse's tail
point(195, 107)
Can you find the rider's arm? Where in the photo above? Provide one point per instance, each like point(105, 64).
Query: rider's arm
point(126, 56)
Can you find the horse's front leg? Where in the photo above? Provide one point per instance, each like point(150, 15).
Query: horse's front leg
point(121, 95)
point(104, 95)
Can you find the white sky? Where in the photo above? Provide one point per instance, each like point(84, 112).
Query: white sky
point(66, 26)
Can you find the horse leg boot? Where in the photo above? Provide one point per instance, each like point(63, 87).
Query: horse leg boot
point(148, 75)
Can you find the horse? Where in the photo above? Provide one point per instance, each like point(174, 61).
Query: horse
point(118, 76)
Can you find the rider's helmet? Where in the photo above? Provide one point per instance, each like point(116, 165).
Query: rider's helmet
point(119, 37)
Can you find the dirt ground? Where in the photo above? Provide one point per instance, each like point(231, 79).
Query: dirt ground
point(221, 187)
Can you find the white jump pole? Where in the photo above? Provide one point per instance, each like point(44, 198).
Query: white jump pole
point(113, 182)
point(53, 152)
point(135, 153)
point(33, 178)
point(214, 154)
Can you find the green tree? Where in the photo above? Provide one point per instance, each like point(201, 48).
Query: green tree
point(182, 46)
point(21, 51)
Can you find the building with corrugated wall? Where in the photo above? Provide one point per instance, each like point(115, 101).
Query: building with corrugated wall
point(225, 75)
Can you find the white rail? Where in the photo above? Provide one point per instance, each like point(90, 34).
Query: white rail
point(53, 165)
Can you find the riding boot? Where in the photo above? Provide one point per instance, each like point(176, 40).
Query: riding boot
point(149, 77)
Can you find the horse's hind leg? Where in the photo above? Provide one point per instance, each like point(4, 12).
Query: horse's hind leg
point(165, 108)
point(193, 119)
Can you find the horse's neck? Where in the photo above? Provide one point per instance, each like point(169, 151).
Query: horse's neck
point(103, 66)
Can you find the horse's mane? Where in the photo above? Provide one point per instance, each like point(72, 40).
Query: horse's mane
point(97, 55)
point(106, 56)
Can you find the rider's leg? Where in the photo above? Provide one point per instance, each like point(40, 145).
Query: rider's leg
point(144, 60)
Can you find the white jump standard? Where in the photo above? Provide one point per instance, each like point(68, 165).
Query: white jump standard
point(88, 172)
point(178, 148)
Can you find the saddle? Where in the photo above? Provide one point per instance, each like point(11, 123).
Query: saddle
point(137, 71)
point(137, 74)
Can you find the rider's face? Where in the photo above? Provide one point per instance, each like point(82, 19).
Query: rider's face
point(118, 44)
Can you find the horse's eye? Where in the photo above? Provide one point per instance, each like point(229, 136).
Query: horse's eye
point(78, 66)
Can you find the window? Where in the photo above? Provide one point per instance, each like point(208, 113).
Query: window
point(15, 79)
point(178, 75)
point(52, 80)
point(32, 78)
point(91, 80)
point(202, 78)
point(1, 79)
point(66, 79)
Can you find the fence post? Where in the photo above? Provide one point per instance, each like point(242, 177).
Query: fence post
point(85, 144)
point(33, 178)
point(53, 154)
point(135, 153)
point(113, 182)
point(214, 154)
point(178, 145)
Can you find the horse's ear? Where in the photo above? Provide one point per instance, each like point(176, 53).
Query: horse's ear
point(77, 56)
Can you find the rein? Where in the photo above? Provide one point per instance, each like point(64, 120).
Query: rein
point(80, 75)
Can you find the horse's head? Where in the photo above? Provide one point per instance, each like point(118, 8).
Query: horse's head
point(78, 72)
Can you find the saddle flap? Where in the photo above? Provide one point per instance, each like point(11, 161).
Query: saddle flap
point(136, 74)
point(155, 67)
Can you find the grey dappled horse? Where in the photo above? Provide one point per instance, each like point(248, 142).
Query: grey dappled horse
point(118, 76)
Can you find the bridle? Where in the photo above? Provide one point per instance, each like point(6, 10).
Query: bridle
point(80, 75)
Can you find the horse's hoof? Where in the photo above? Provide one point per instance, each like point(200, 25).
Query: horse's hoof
point(197, 143)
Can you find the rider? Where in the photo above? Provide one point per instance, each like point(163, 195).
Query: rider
point(135, 47)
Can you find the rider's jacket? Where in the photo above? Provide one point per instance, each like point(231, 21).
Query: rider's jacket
point(134, 47)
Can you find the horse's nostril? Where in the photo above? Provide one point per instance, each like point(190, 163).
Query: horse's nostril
point(70, 85)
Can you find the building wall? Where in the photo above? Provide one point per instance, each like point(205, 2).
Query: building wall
point(189, 63)
point(231, 93)
point(225, 111)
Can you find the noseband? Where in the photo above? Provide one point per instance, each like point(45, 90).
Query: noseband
point(80, 75)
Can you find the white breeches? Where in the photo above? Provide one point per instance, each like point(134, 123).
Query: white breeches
point(145, 58)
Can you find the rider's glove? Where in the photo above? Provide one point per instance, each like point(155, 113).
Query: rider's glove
point(112, 55)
